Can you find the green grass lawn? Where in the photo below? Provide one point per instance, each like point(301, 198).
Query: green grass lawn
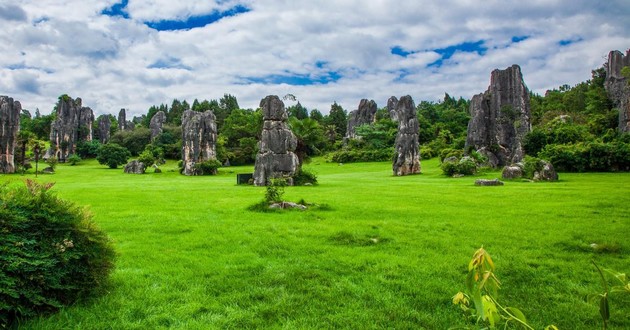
point(387, 252)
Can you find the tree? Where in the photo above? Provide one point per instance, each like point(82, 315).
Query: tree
point(337, 117)
point(112, 155)
point(317, 116)
point(297, 111)
point(241, 131)
point(310, 137)
point(135, 141)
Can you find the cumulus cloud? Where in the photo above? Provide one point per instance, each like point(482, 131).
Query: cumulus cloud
point(9, 12)
point(320, 51)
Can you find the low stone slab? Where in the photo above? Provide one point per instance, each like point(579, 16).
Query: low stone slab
point(486, 182)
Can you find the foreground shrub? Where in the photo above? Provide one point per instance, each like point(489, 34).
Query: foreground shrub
point(52, 253)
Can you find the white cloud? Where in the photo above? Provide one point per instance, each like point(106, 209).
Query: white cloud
point(59, 46)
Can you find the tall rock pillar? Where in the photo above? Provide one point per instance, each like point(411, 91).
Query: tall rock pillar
point(617, 86)
point(199, 137)
point(407, 159)
point(276, 157)
point(10, 111)
point(500, 118)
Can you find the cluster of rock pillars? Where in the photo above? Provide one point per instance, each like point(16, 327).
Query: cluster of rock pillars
point(500, 119)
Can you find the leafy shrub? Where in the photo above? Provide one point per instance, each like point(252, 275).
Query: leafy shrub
point(464, 166)
point(593, 156)
point(275, 190)
point(88, 149)
point(74, 159)
point(531, 165)
point(363, 155)
point(209, 167)
point(52, 162)
point(112, 155)
point(303, 176)
point(427, 152)
point(52, 252)
point(448, 152)
point(146, 158)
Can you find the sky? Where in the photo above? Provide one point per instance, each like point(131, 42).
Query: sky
point(132, 54)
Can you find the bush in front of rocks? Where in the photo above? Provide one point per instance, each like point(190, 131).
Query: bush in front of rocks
point(53, 254)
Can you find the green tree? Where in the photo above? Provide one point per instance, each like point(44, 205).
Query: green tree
point(317, 116)
point(337, 117)
point(310, 137)
point(112, 155)
point(297, 111)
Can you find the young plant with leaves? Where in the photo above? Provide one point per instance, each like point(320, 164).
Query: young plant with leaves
point(482, 290)
point(622, 287)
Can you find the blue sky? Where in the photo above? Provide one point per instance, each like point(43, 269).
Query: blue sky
point(133, 54)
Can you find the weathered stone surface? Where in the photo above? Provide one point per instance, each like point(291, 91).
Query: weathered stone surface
point(547, 173)
point(365, 114)
point(287, 205)
point(73, 125)
point(407, 160)
point(512, 172)
point(486, 182)
point(157, 121)
point(617, 86)
point(135, 167)
point(122, 120)
point(501, 117)
point(104, 125)
point(199, 138)
point(9, 127)
point(276, 157)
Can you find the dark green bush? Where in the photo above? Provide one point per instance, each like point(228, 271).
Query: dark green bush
point(52, 254)
point(448, 152)
point(88, 149)
point(74, 160)
point(112, 155)
point(363, 155)
point(209, 167)
point(303, 177)
point(463, 166)
point(592, 156)
point(531, 165)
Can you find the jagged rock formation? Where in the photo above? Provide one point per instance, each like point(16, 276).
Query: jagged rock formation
point(104, 125)
point(500, 118)
point(199, 137)
point(73, 125)
point(365, 114)
point(617, 86)
point(9, 127)
point(488, 182)
point(134, 167)
point(122, 120)
point(407, 159)
point(276, 157)
point(157, 121)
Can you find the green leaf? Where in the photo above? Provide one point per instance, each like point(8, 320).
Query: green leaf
point(604, 308)
point(516, 313)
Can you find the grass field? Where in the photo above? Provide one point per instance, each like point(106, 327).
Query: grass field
point(387, 252)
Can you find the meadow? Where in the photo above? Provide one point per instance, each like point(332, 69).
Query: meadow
point(379, 251)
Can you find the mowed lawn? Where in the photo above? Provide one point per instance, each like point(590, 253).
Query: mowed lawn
point(380, 251)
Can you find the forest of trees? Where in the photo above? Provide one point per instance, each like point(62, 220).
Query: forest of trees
point(574, 127)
